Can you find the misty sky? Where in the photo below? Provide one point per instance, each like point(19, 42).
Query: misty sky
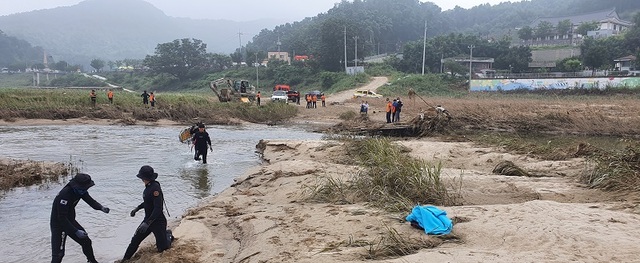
point(236, 10)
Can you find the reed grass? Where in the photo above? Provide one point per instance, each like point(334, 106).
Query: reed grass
point(181, 107)
point(391, 179)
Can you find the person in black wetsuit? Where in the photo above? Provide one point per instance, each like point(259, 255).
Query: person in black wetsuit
point(63, 217)
point(154, 220)
point(201, 141)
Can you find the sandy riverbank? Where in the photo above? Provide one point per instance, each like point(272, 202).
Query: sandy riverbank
point(265, 217)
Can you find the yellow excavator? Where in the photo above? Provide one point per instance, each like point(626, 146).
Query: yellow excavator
point(237, 90)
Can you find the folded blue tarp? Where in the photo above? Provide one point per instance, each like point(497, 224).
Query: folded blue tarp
point(433, 220)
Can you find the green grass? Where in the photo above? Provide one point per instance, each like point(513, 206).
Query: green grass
point(181, 107)
point(392, 180)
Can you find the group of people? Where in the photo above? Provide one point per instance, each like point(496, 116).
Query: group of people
point(94, 97)
point(393, 110)
point(63, 216)
point(312, 100)
point(148, 98)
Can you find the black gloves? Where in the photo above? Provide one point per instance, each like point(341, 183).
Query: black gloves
point(133, 212)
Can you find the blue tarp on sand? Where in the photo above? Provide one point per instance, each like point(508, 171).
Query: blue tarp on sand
point(433, 220)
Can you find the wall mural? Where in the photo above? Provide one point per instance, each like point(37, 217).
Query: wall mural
point(541, 84)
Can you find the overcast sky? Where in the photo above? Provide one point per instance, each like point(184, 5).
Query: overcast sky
point(237, 10)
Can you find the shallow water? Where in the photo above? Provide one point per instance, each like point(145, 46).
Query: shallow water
point(112, 155)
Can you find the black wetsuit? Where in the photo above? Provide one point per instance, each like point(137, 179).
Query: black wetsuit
point(202, 142)
point(63, 223)
point(154, 216)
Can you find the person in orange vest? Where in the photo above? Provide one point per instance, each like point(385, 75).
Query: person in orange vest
point(314, 99)
point(323, 99)
point(93, 97)
point(388, 109)
point(258, 98)
point(152, 99)
point(110, 96)
point(308, 98)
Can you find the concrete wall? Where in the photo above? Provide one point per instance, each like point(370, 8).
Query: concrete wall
point(553, 83)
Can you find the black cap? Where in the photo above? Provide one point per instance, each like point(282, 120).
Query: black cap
point(146, 173)
point(82, 181)
point(200, 125)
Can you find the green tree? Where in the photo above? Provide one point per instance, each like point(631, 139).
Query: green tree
point(97, 64)
point(632, 36)
point(564, 27)
point(455, 68)
point(61, 66)
point(586, 27)
point(544, 29)
point(331, 45)
point(178, 58)
point(525, 33)
point(572, 65)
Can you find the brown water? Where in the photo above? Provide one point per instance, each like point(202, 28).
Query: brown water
point(112, 155)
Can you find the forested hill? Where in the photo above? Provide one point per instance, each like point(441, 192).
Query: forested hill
point(385, 25)
point(118, 29)
point(14, 50)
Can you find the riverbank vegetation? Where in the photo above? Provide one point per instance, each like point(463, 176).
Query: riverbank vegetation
point(16, 173)
point(391, 179)
point(58, 104)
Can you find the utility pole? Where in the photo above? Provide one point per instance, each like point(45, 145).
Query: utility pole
point(356, 57)
point(257, 67)
point(424, 46)
point(240, 43)
point(471, 47)
point(345, 50)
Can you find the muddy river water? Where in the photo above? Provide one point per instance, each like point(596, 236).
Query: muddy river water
point(112, 155)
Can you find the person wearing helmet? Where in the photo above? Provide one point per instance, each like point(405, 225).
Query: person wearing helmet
point(63, 217)
point(154, 220)
point(201, 141)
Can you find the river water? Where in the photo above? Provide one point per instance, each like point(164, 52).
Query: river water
point(112, 155)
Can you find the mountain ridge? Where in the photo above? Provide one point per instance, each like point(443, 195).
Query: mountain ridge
point(118, 29)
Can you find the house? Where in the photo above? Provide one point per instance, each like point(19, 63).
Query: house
point(627, 63)
point(608, 20)
point(478, 64)
point(278, 55)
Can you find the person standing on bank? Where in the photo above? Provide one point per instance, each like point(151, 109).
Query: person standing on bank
point(258, 98)
point(93, 97)
point(110, 96)
point(154, 220)
point(152, 99)
point(201, 141)
point(145, 97)
point(63, 217)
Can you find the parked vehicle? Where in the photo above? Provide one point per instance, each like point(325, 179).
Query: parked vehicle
point(282, 87)
point(293, 95)
point(280, 96)
point(366, 94)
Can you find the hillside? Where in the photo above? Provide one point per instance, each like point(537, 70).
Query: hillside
point(386, 25)
point(118, 29)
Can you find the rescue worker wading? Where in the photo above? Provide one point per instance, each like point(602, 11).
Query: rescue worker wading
point(154, 220)
point(63, 217)
point(201, 141)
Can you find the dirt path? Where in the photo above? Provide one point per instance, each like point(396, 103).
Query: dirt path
point(347, 95)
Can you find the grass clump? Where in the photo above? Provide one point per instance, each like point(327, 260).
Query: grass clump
point(393, 180)
point(615, 170)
